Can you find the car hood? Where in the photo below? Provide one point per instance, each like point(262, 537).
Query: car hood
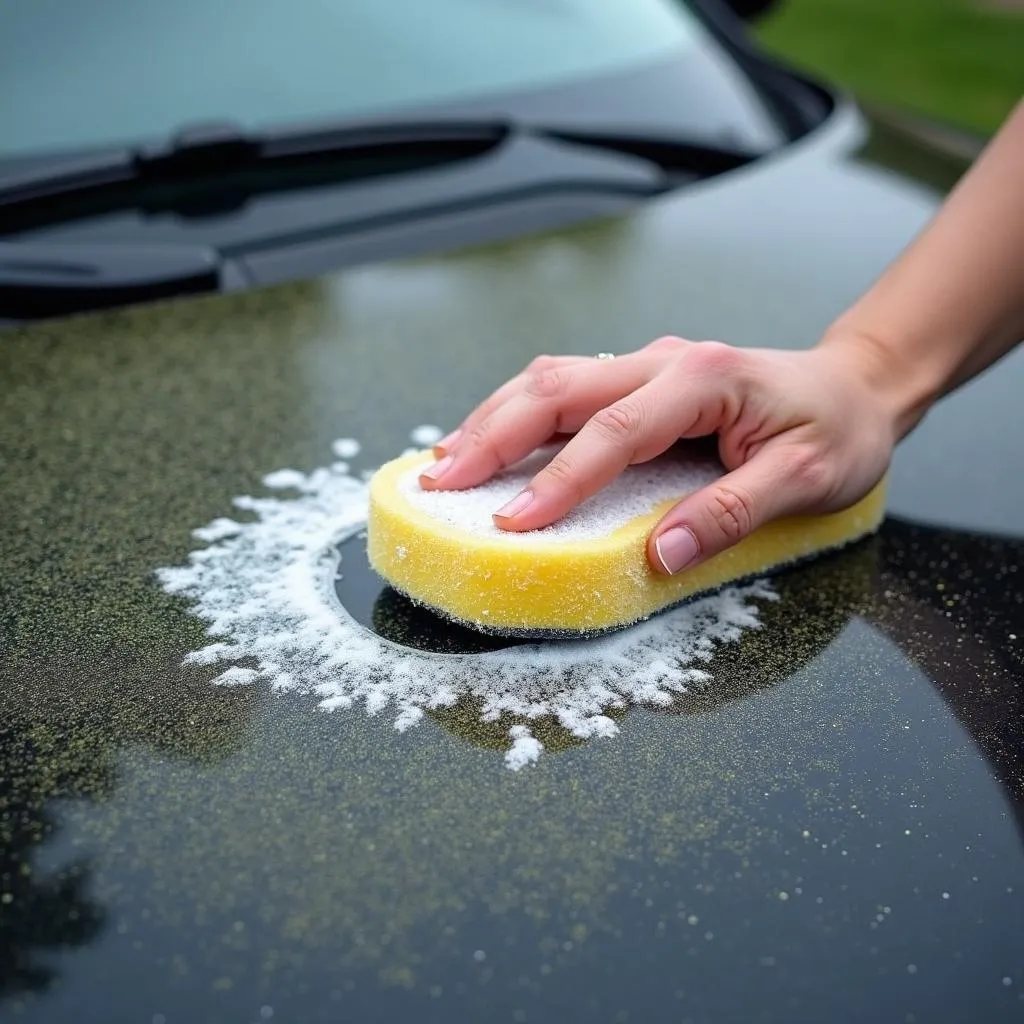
point(829, 828)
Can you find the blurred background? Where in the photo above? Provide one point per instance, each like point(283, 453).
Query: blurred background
point(958, 60)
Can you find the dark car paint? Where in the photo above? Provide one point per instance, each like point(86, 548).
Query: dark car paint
point(831, 832)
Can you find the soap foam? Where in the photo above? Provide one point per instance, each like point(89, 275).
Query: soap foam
point(344, 448)
point(426, 435)
point(265, 589)
point(635, 492)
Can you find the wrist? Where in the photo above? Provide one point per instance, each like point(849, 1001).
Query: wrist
point(904, 382)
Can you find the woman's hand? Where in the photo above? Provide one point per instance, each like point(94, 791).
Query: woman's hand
point(799, 432)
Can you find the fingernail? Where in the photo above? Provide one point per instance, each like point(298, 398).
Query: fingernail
point(515, 506)
point(438, 469)
point(447, 442)
point(676, 548)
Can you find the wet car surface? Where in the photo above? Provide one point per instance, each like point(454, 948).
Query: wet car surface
point(830, 830)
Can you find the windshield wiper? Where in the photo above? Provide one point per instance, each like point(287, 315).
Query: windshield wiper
point(49, 279)
point(217, 167)
point(209, 156)
point(685, 157)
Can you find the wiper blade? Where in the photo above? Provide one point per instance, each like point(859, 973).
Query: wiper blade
point(205, 151)
point(216, 168)
point(218, 148)
point(54, 278)
point(680, 156)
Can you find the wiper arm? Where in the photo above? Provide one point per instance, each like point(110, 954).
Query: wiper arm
point(215, 168)
point(214, 147)
point(690, 158)
point(200, 154)
point(50, 279)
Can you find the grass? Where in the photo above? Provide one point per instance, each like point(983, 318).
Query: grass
point(957, 60)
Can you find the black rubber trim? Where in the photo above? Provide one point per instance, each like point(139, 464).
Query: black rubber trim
point(800, 103)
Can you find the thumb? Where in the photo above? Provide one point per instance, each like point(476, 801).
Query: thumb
point(772, 484)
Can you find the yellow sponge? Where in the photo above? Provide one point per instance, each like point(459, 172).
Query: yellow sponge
point(587, 573)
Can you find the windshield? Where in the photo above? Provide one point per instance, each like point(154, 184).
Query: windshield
point(86, 73)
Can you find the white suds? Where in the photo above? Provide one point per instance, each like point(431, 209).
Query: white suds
point(426, 435)
point(236, 676)
point(265, 589)
point(345, 447)
point(283, 479)
point(217, 530)
point(635, 492)
point(525, 747)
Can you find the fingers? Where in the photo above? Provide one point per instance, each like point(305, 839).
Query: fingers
point(557, 399)
point(511, 387)
point(633, 409)
point(632, 429)
point(780, 480)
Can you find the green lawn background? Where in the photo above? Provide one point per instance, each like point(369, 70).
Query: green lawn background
point(957, 60)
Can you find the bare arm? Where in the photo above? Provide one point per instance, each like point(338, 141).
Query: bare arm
point(953, 303)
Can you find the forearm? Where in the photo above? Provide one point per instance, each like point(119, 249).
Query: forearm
point(953, 303)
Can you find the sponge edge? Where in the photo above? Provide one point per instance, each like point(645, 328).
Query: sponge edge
point(571, 587)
